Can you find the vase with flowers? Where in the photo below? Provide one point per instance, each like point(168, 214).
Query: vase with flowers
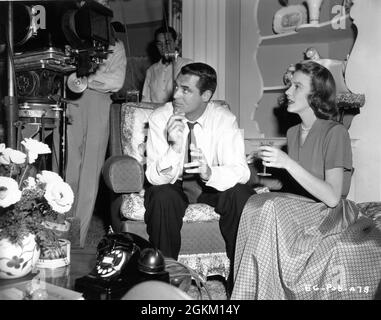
point(31, 201)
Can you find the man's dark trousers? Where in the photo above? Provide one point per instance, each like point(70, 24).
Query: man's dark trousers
point(165, 208)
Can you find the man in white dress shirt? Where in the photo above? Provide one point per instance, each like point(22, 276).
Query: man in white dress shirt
point(217, 166)
point(158, 83)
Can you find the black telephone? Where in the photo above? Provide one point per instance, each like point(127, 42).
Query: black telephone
point(114, 252)
point(118, 267)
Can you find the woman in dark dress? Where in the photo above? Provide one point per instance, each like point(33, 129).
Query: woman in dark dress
point(312, 243)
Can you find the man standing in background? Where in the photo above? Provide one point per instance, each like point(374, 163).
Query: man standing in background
point(88, 134)
point(158, 84)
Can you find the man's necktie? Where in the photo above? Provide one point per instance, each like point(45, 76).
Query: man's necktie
point(190, 139)
point(191, 182)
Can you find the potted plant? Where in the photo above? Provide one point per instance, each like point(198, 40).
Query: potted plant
point(33, 208)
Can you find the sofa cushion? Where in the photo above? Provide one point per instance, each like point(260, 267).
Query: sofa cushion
point(132, 208)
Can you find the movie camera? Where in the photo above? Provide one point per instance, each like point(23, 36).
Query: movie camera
point(50, 44)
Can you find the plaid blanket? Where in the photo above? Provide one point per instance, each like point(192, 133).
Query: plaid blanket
point(289, 247)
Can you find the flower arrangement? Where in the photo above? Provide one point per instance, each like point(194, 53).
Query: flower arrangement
point(30, 201)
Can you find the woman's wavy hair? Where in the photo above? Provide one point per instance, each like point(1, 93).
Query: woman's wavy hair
point(322, 98)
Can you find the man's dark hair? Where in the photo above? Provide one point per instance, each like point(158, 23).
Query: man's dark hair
point(165, 29)
point(208, 76)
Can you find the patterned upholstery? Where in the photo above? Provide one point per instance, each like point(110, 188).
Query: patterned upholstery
point(134, 125)
point(133, 208)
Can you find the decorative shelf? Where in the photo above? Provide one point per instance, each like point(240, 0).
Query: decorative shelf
point(278, 141)
point(274, 88)
point(308, 33)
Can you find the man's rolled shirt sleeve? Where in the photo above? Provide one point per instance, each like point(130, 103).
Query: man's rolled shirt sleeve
point(111, 73)
point(163, 163)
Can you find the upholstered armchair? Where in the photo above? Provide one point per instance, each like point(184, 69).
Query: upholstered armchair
point(202, 247)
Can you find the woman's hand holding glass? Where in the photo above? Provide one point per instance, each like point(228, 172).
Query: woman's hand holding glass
point(272, 156)
point(261, 155)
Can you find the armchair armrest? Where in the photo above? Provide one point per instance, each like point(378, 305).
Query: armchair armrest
point(123, 174)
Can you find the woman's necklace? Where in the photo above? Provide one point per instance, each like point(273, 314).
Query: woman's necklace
point(303, 134)
point(304, 129)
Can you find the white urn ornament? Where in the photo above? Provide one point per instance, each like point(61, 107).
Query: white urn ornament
point(314, 7)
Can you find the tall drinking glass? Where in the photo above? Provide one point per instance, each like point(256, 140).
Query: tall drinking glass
point(264, 173)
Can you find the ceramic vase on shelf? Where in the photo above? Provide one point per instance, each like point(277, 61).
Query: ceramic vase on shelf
point(314, 10)
point(18, 259)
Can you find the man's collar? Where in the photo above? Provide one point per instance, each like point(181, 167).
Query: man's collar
point(201, 120)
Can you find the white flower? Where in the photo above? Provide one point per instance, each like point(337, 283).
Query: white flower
point(34, 148)
point(17, 157)
point(5, 156)
point(59, 196)
point(8, 155)
point(30, 183)
point(48, 177)
point(9, 192)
